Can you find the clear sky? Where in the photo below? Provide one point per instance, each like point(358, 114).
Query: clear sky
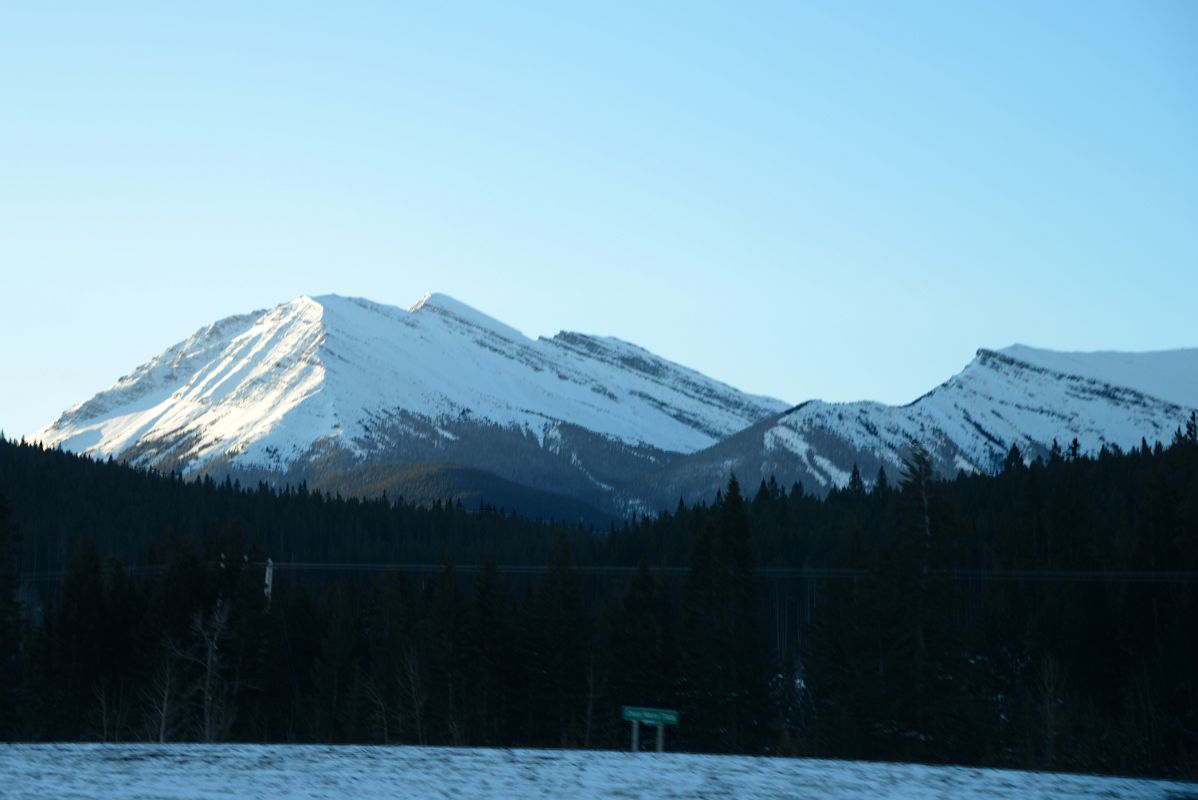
point(837, 199)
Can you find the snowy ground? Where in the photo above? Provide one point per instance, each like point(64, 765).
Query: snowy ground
point(141, 772)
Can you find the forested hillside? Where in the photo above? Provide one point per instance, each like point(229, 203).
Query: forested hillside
point(1040, 617)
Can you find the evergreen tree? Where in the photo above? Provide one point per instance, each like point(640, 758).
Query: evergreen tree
point(916, 641)
point(339, 713)
point(76, 648)
point(122, 641)
point(557, 640)
point(1013, 462)
point(251, 641)
point(855, 486)
point(882, 484)
point(640, 645)
point(741, 666)
point(920, 692)
point(698, 685)
point(10, 622)
point(446, 659)
point(490, 657)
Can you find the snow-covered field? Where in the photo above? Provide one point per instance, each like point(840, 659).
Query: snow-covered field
point(140, 772)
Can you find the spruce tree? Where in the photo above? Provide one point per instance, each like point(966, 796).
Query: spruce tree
point(1013, 462)
point(742, 671)
point(855, 486)
point(75, 651)
point(490, 657)
point(10, 622)
point(882, 484)
point(640, 645)
point(446, 656)
point(336, 714)
point(557, 638)
point(697, 689)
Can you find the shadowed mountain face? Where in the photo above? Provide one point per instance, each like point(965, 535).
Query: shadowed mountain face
point(442, 401)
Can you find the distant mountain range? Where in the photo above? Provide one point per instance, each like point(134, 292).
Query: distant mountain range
point(440, 401)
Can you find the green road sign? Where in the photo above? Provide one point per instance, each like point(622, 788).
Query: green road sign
point(650, 716)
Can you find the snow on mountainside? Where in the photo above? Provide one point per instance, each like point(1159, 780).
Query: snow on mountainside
point(264, 389)
point(441, 401)
point(1018, 395)
point(1170, 375)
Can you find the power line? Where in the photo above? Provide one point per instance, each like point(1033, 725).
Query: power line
point(774, 573)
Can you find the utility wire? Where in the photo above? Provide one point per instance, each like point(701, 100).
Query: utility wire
point(775, 573)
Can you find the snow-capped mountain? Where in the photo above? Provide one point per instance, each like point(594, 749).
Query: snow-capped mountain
point(1019, 395)
point(441, 400)
point(318, 386)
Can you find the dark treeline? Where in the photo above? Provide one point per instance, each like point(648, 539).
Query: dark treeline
point(1040, 617)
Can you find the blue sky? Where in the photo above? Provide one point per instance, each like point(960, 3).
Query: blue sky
point(839, 200)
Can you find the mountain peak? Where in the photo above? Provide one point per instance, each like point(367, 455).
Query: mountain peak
point(318, 387)
point(456, 310)
point(424, 299)
point(1169, 375)
point(442, 302)
point(331, 373)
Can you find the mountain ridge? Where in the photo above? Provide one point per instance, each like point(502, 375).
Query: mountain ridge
point(1013, 396)
point(340, 391)
point(334, 380)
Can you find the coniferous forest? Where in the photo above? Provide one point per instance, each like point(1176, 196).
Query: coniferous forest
point(1041, 617)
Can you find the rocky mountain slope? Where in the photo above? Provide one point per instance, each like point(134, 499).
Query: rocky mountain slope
point(1016, 396)
point(441, 401)
point(328, 389)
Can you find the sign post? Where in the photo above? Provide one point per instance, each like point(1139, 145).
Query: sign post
point(661, 717)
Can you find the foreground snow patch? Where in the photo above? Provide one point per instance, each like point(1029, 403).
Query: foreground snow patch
point(141, 772)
